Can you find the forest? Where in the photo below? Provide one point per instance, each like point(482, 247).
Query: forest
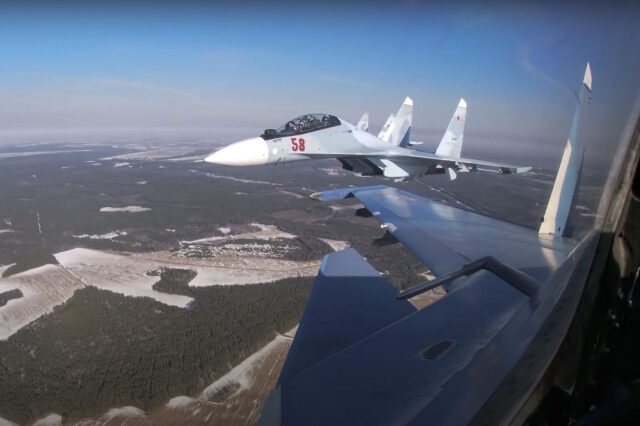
point(101, 349)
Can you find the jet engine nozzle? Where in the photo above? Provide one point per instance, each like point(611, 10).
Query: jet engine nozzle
point(249, 152)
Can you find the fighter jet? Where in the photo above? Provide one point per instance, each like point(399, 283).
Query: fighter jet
point(389, 154)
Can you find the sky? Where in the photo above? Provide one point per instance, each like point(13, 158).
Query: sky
point(233, 69)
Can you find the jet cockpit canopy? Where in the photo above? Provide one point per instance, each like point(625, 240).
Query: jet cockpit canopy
point(304, 124)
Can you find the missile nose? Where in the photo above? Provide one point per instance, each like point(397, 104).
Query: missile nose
point(250, 152)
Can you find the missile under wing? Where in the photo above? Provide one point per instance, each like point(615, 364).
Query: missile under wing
point(390, 154)
point(363, 355)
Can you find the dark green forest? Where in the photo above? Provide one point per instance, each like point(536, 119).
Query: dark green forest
point(101, 349)
point(5, 296)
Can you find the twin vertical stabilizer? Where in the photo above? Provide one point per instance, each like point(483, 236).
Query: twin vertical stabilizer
point(397, 129)
point(562, 198)
point(451, 143)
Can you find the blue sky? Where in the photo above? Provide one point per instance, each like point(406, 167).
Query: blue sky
point(240, 67)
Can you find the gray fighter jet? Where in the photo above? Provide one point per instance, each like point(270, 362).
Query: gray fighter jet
point(389, 154)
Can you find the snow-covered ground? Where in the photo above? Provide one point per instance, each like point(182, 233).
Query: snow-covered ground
point(52, 419)
point(250, 382)
point(122, 412)
point(42, 288)
point(122, 164)
point(235, 179)
point(127, 209)
point(336, 245)
point(240, 378)
point(106, 236)
point(235, 263)
point(5, 422)
point(4, 155)
point(45, 287)
point(231, 269)
point(118, 273)
point(154, 154)
point(264, 232)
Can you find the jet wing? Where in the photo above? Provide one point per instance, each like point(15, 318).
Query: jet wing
point(456, 163)
point(457, 236)
point(362, 357)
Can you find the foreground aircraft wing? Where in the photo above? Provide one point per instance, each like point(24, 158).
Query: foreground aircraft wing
point(456, 237)
point(363, 356)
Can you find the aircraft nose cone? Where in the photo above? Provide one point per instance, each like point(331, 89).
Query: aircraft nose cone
point(250, 152)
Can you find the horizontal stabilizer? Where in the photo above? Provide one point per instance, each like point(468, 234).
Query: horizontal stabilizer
point(349, 300)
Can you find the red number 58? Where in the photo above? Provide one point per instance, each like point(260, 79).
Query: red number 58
point(297, 144)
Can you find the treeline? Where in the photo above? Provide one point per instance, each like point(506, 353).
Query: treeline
point(32, 260)
point(5, 296)
point(101, 349)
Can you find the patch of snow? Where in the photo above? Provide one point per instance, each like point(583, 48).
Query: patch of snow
point(336, 245)
point(128, 209)
point(170, 230)
point(235, 179)
point(4, 231)
point(52, 419)
point(127, 411)
point(4, 268)
point(240, 374)
point(180, 402)
point(123, 164)
point(4, 155)
point(107, 236)
point(332, 171)
point(154, 154)
point(5, 422)
point(266, 232)
point(117, 273)
point(292, 194)
point(42, 288)
point(224, 230)
point(141, 182)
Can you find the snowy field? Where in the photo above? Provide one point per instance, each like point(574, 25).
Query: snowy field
point(42, 289)
point(234, 263)
point(4, 155)
point(336, 245)
point(118, 273)
point(127, 209)
point(154, 154)
point(264, 232)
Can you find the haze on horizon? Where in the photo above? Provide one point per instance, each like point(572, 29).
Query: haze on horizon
point(231, 70)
